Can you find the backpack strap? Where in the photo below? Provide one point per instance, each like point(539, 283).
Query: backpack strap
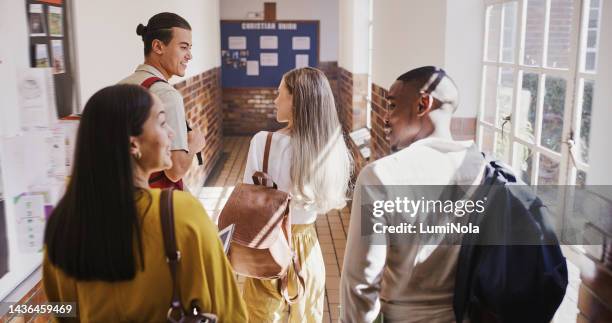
point(261, 178)
point(147, 83)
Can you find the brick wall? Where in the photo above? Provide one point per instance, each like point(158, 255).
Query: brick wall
point(202, 96)
point(352, 97)
point(461, 128)
point(247, 111)
point(378, 144)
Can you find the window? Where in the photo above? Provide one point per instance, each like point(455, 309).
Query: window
point(539, 65)
point(369, 97)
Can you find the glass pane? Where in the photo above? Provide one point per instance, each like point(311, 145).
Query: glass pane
point(490, 98)
point(493, 32)
point(487, 139)
point(502, 147)
point(548, 171)
point(504, 97)
point(559, 33)
point(592, 36)
point(524, 158)
point(552, 117)
point(585, 120)
point(527, 107)
point(534, 32)
point(509, 32)
point(590, 62)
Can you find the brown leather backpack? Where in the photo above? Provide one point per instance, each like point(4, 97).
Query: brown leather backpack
point(261, 244)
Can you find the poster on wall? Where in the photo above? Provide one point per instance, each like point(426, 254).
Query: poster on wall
point(268, 42)
point(252, 68)
point(268, 59)
point(49, 26)
point(57, 49)
point(55, 22)
point(301, 43)
point(30, 216)
point(37, 21)
point(36, 98)
point(301, 60)
point(42, 56)
point(237, 42)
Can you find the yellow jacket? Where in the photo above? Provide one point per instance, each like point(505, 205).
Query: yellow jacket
point(204, 273)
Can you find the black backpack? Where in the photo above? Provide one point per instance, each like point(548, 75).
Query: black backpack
point(511, 281)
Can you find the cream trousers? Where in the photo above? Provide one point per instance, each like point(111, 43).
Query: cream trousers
point(265, 304)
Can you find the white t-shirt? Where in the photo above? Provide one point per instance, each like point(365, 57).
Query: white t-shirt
point(172, 100)
point(279, 165)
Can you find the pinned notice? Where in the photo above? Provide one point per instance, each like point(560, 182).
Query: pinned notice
point(301, 43)
point(268, 59)
point(268, 42)
point(301, 60)
point(237, 42)
point(252, 68)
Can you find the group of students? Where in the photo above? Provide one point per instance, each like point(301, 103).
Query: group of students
point(103, 242)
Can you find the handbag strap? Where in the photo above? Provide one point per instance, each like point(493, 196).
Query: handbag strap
point(173, 255)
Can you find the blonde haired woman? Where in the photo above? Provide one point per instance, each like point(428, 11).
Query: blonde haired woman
point(309, 159)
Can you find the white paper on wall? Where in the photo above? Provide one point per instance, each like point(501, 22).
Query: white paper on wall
point(36, 98)
point(301, 60)
point(237, 42)
point(30, 217)
point(268, 42)
point(268, 59)
point(56, 143)
point(252, 68)
point(300, 43)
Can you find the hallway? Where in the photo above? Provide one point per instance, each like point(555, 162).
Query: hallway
point(331, 228)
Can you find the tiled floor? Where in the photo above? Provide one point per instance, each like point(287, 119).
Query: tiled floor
point(331, 229)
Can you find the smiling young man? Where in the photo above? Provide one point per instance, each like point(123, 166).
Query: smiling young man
point(167, 50)
point(408, 281)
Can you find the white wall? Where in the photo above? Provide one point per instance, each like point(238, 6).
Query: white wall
point(108, 48)
point(406, 35)
point(14, 54)
point(463, 52)
point(353, 52)
point(324, 10)
point(600, 153)
point(445, 33)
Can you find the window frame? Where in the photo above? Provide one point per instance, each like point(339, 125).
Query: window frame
point(574, 75)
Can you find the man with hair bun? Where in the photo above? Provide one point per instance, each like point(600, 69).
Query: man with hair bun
point(408, 282)
point(167, 50)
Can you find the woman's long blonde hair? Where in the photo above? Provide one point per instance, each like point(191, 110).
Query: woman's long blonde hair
point(321, 163)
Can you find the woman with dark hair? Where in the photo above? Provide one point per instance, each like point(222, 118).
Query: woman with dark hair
point(104, 244)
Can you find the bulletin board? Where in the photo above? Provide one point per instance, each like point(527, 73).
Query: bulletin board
point(256, 53)
point(50, 31)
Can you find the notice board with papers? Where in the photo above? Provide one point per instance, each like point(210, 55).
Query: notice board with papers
point(256, 53)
